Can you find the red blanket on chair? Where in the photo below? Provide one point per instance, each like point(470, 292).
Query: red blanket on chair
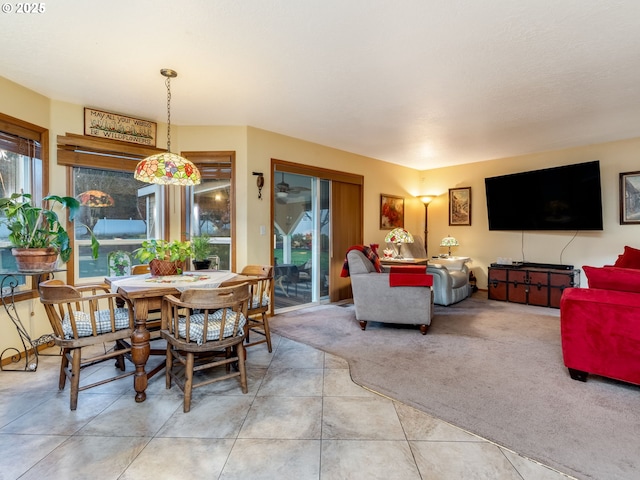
point(410, 276)
point(367, 252)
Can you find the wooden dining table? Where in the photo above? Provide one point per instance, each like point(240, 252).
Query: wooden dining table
point(146, 295)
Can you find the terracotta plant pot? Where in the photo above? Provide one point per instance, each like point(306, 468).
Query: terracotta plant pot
point(35, 259)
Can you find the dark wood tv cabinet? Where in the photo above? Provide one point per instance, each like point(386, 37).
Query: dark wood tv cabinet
point(531, 283)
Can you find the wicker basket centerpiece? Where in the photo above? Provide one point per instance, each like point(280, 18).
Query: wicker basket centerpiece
point(163, 256)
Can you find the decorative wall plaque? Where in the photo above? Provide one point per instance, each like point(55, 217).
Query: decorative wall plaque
point(119, 127)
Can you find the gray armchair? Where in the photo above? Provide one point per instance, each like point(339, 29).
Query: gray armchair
point(376, 301)
point(450, 283)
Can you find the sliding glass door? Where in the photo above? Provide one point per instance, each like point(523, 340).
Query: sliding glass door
point(301, 228)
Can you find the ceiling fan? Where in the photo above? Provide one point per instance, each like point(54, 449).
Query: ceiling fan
point(288, 194)
point(282, 188)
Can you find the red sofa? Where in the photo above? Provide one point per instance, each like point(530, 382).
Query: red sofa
point(600, 325)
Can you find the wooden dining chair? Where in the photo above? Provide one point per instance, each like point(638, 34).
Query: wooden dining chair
point(84, 317)
point(259, 304)
point(204, 328)
point(140, 269)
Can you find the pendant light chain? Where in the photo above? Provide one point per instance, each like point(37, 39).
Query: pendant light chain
point(168, 83)
point(167, 168)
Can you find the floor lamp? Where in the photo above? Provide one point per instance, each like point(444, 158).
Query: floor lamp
point(426, 199)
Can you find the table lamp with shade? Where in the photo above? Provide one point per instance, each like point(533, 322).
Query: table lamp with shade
point(449, 241)
point(398, 236)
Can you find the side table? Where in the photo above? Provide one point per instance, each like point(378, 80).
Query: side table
point(8, 286)
point(387, 263)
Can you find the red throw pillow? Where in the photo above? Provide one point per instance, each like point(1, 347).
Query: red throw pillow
point(613, 278)
point(410, 276)
point(629, 259)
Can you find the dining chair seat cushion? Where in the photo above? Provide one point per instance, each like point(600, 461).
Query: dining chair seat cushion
point(255, 301)
point(196, 326)
point(103, 322)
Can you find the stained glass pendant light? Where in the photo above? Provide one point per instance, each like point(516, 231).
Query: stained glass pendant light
point(95, 198)
point(167, 168)
point(398, 236)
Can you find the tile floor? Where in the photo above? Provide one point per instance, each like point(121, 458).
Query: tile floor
point(303, 418)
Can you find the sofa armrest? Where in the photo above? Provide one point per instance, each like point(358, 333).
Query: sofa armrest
point(600, 331)
point(449, 286)
point(442, 274)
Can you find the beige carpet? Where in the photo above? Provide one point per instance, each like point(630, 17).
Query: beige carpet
point(494, 369)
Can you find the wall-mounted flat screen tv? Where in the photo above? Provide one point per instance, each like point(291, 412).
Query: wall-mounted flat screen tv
point(560, 198)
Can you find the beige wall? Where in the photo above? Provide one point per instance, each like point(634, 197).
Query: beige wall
point(23, 103)
point(484, 246)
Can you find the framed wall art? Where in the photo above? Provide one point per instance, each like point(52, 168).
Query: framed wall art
point(460, 206)
point(630, 198)
point(119, 127)
point(391, 212)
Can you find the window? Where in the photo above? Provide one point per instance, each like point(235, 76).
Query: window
point(211, 204)
point(121, 211)
point(23, 167)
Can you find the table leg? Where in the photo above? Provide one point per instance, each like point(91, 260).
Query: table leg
point(140, 348)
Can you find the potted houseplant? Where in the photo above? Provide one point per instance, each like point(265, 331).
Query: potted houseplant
point(37, 233)
point(163, 256)
point(201, 251)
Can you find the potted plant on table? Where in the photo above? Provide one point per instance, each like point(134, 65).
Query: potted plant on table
point(163, 256)
point(36, 233)
point(201, 251)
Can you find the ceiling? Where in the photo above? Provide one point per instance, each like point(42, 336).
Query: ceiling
point(422, 83)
